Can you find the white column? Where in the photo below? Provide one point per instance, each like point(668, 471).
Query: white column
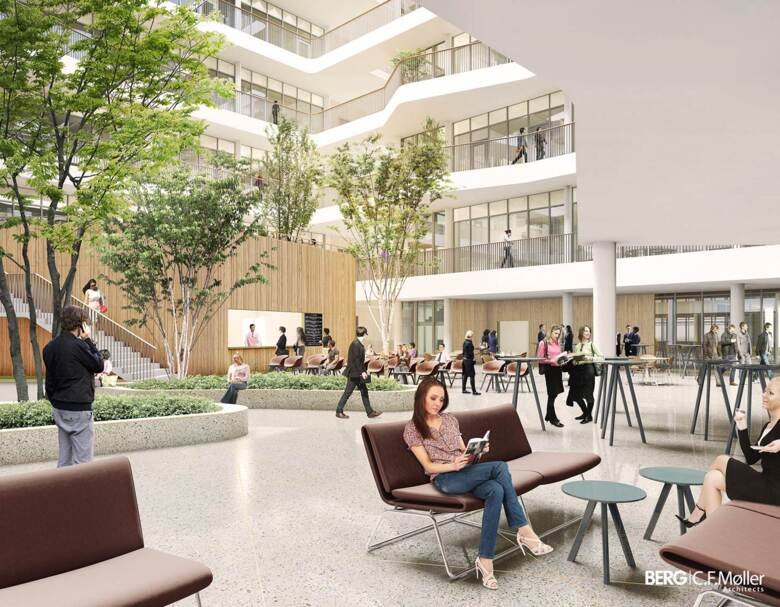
point(449, 228)
point(447, 337)
point(737, 303)
point(567, 306)
point(604, 296)
point(568, 222)
point(397, 328)
point(568, 110)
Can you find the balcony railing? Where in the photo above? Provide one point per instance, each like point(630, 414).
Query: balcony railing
point(546, 143)
point(425, 66)
point(258, 25)
point(542, 251)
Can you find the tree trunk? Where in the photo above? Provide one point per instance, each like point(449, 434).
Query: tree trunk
point(56, 292)
point(17, 363)
point(36, 348)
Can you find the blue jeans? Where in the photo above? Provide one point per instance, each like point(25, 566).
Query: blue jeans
point(491, 482)
point(764, 360)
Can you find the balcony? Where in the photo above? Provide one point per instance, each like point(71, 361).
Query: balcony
point(547, 143)
point(542, 251)
point(285, 36)
point(425, 66)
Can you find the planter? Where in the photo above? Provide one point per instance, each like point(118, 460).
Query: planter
point(23, 445)
point(320, 400)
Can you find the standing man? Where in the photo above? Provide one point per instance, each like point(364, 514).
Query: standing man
point(764, 345)
point(252, 339)
point(540, 142)
point(493, 342)
point(326, 338)
point(275, 112)
point(281, 343)
point(356, 376)
point(522, 147)
point(541, 334)
point(712, 348)
point(728, 346)
point(627, 340)
point(72, 360)
point(508, 249)
point(744, 344)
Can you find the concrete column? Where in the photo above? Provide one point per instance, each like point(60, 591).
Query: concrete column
point(447, 337)
point(397, 328)
point(568, 110)
point(604, 295)
point(568, 222)
point(567, 306)
point(737, 303)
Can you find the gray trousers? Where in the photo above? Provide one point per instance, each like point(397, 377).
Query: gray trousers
point(76, 436)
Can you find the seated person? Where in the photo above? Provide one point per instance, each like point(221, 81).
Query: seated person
point(107, 377)
point(404, 360)
point(739, 480)
point(442, 356)
point(435, 440)
point(238, 378)
point(329, 364)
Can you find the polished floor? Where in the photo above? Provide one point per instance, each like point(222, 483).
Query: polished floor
point(282, 515)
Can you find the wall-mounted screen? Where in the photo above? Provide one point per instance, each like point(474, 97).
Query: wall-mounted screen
point(266, 327)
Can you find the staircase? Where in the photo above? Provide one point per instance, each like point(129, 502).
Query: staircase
point(131, 355)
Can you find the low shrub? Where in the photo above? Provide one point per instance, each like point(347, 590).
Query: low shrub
point(38, 413)
point(265, 381)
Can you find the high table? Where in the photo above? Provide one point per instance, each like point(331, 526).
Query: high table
point(529, 360)
point(685, 354)
point(747, 373)
point(608, 397)
point(705, 376)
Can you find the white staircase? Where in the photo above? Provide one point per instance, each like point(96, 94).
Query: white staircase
point(129, 364)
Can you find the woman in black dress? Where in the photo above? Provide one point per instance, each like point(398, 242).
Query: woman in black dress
point(739, 480)
point(468, 364)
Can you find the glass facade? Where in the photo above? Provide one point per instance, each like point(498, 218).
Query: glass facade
point(282, 19)
point(423, 324)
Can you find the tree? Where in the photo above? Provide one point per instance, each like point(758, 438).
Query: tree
point(292, 173)
point(384, 195)
point(167, 254)
point(73, 131)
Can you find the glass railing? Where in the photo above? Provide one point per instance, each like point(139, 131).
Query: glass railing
point(425, 66)
point(518, 149)
point(273, 31)
point(541, 251)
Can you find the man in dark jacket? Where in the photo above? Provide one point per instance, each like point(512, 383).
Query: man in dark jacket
point(728, 347)
point(627, 340)
point(72, 360)
point(763, 345)
point(541, 334)
point(356, 376)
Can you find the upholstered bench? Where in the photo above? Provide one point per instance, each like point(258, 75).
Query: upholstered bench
point(72, 538)
point(403, 485)
point(738, 537)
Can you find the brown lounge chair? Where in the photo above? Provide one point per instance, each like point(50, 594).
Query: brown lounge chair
point(739, 536)
point(404, 486)
point(277, 362)
point(72, 538)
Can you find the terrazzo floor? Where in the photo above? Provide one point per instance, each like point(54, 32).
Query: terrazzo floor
point(282, 515)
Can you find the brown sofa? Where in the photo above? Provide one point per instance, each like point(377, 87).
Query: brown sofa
point(72, 538)
point(403, 485)
point(739, 536)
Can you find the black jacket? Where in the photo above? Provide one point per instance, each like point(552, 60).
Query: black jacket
point(281, 345)
point(468, 350)
point(356, 360)
point(568, 342)
point(71, 364)
point(728, 344)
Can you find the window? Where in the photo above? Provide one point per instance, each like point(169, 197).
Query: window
point(422, 322)
point(289, 96)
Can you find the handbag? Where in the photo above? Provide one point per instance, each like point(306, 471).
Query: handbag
point(543, 366)
point(103, 308)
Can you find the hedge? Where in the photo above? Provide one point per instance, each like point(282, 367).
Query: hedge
point(264, 381)
point(38, 413)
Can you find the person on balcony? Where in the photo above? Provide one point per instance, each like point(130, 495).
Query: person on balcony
point(275, 112)
point(541, 143)
point(508, 259)
point(522, 147)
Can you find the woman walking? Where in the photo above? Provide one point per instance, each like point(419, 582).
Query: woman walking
point(582, 376)
point(93, 298)
point(468, 363)
point(549, 351)
point(300, 342)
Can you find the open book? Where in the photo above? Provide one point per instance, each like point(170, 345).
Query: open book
point(476, 446)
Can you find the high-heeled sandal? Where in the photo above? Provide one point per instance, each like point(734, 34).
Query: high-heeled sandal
point(688, 524)
point(535, 545)
point(488, 579)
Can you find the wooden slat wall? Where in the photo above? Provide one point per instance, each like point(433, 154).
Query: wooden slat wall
point(6, 369)
point(305, 278)
point(467, 314)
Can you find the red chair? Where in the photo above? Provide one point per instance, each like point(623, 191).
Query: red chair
point(277, 362)
point(314, 363)
point(293, 363)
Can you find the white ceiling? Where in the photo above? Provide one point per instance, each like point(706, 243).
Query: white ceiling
point(675, 104)
point(327, 14)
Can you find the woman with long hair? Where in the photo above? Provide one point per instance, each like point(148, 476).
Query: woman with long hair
point(549, 350)
point(582, 376)
point(435, 440)
point(300, 341)
point(93, 298)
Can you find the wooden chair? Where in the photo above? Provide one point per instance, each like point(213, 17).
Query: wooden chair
point(426, 368)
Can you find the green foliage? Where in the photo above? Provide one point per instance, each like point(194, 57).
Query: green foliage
point(293, 173)
point(265, 381)
point(169, 251)
point(413, 64)
point(38, 413)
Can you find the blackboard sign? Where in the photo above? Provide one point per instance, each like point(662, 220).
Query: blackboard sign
point(312, 328)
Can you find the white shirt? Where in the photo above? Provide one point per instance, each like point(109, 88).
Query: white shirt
point(93, 298)
point(442, 357)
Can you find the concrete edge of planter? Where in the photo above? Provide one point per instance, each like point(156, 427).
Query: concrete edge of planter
point(39, 443)
point(316, 400)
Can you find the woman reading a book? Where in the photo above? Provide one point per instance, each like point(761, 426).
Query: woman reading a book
point(435, 440)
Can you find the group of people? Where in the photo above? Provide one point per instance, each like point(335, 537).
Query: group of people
point(299, 347)
point(540, 145)
point(628, 342)
point(736, 346)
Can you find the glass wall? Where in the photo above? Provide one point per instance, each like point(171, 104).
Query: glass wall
point(422, 322)
point(527, 216)
point(282, 19)
point(289, 96)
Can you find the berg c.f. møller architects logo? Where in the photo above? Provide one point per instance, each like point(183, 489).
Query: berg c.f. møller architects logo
point(738, 581)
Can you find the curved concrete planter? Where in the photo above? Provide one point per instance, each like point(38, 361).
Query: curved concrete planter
point(322, 400)
point(23, 445)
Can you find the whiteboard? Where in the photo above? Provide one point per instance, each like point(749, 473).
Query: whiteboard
point(266, 325)
point(513, 336)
